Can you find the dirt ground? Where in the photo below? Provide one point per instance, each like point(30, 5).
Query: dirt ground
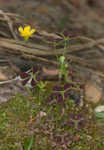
point(77, 16)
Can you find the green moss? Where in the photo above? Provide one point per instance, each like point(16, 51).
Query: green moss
point(16, 115)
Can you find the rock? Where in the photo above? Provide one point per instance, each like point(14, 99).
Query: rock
point(89, 138)
point(93, 93)
point(99, 108)
point(9, 90)
point(2, 76)
point(81, 104)
point(6, 73)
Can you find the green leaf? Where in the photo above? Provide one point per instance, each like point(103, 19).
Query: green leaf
point(99, 115)
point(71, 101)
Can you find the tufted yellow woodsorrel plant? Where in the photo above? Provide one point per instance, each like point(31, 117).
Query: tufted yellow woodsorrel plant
point(26, 32)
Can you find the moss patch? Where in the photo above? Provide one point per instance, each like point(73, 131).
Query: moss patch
point(53, 131)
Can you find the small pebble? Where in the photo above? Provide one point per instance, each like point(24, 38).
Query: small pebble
point(99, 108)
point(81, 102)
point(93, 93)
point(89, 137)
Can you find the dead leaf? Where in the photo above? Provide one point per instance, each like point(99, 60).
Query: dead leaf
point(77, 137)
point(52, 72)
point(32, 119)
point(21, 147)
point(3, 77)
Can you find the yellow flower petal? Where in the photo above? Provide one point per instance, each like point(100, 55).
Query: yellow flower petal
point(23, 34)
point(20, 29)
point(27, 29)
point(32, 31)
point(26, 32)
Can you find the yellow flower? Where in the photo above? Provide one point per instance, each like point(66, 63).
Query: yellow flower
point(26, 32)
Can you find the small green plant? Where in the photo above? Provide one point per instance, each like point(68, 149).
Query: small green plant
point(71, 102)
point(3, 119)
point(59, 95)
point(62, 67)
point(64, 42)
point(28, 143)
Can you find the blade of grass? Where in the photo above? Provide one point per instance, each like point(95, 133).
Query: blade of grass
point(30, 143)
